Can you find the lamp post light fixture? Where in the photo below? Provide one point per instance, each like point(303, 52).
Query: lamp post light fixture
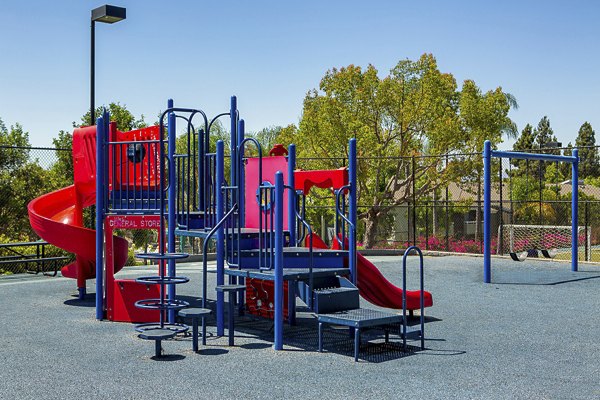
point(108, 15)
point(552, 145)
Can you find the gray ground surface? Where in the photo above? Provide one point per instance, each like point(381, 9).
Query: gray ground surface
point(532, 334)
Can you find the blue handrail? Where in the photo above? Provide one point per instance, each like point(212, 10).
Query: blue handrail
point(310, 247)
point(422, 295)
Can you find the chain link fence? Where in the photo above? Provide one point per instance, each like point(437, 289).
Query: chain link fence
point(435, 203)
point(439, 205)
point(27, 173)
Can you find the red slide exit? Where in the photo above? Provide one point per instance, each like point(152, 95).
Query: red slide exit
point(56, 219)
point(376, 289)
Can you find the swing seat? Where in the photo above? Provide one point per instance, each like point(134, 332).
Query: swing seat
point(520, 256)
point(551, 253)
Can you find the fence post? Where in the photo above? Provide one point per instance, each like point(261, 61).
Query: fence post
point(414, 203)
point(586, 221)
point(427, 225)
point(574, 210)
point(447, 211)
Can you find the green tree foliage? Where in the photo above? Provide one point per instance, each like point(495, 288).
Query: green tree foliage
point(589, 162)
point(415, 110)
point(544, 135)
point(14, 145)
point(267, 137)
point(482, 117)
point(63, 167)
point(525, 143)
point(125, 120)
point(20, 181)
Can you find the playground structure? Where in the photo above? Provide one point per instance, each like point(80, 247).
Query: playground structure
point(142, 179)
point(522, 241)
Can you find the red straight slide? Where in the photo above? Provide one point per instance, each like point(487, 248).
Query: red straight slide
point(57, 219)
point(375, 288)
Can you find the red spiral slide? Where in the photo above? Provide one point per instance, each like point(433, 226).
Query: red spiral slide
point(57, 217)
point(375, 288)
point(54, 217)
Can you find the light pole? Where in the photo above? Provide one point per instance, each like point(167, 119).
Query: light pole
point(108, 15)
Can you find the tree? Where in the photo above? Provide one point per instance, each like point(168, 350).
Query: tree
point(14, 147)
point(120, 114)
point(63, 167)
point(412, 112)
point(589, 162)
point(20, 181)
point(267, 137)
point(544, 135)
point(525, 143)
point(483, 117)
point(565, 168)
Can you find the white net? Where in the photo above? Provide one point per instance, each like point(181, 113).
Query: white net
point(522, 238)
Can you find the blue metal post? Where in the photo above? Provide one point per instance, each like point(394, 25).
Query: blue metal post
point(172, 134)
point(292, 197)
point(487, 228)
point(241, 180)
point(234, 141)
point(352, 208)
point(201, 160)
point(278, 339)
point(220, 236)
point(100, 135)
point(574, 210)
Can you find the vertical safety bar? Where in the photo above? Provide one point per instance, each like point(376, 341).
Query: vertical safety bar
point(234, 142)
point(100, 134)
point(292, 197)
point(201, 161)
point(172, 204)
point(352, 207)
point(278, 339)
point(241, 182)
point(220, 236)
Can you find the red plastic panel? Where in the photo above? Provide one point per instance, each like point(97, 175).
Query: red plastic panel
point(84, 161)
point(260, 297)
point(137, 166)
point(270, 165)
point(327, 178)
point(122, 307)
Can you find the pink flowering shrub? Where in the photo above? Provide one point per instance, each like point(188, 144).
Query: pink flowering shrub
point(436, 243)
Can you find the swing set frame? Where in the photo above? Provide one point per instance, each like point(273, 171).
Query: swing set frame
point(488, 154)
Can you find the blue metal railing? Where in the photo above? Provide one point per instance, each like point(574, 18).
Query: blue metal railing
point(134, 173)
point(421, 299)
point(306, 227)
point(266, 230)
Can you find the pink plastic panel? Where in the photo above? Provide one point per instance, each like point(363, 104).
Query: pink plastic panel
point(270, 165)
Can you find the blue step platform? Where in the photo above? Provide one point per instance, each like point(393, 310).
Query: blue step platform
point(294, 257)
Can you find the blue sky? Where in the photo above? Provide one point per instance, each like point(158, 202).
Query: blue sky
point(270, 53)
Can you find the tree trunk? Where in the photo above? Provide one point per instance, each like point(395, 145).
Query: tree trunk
point(371, 224)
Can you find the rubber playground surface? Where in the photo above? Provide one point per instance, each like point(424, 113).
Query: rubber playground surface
point(533, 333)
